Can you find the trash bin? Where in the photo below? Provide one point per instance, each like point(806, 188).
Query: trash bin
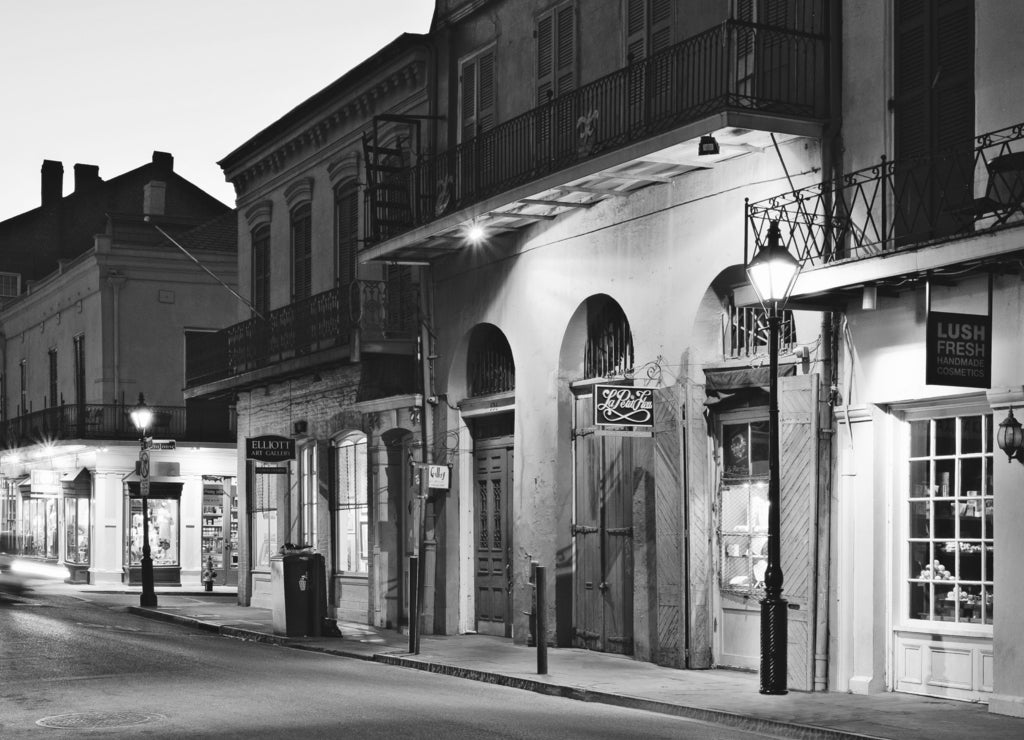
point(297, 579)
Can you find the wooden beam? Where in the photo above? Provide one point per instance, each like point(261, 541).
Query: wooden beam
point(559, 203)
point(594, 191)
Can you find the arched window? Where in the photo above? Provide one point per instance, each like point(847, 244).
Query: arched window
point(490, 365)
point(351, 507)
point(609, 350)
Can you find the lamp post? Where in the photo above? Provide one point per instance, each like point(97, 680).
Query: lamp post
point(142, 417)
point(772, 273)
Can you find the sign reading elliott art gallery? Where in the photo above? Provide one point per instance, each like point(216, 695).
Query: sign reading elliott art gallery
point(270, 448)
point(623, 406)
point(959, 350)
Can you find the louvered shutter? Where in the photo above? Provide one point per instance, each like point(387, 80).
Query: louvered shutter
point(261, 269)
point(565, 49)
point(485, 111)
point(468, 78)
point(347, 204)
point(798, 473)
point(661, 25)
point(545, 58)
point(302, 262)
point(636, 30)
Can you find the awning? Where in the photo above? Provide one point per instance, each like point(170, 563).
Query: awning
point(739, 384)
point(160, 486)
point(76, 482)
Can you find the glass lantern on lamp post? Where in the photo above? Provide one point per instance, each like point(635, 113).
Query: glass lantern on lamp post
point(772, 273)
point(142, 417)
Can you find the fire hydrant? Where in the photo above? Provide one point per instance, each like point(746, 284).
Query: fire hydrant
point(208, 574)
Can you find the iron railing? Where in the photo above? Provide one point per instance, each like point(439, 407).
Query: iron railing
point(319, 322)
point(200, 422)
point(735, 65)
point(745, 332)
point(903, 204)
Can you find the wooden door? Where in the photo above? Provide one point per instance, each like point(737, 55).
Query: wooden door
point(492, 541)
point(602, 537)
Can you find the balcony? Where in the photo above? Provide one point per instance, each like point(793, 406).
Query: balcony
point(197, 422)
point(737, 77)
point(903, 211)
point(336, 325)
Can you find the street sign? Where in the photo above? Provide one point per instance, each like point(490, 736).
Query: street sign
point(161, 444)
point(144, 465)
point(144, 488)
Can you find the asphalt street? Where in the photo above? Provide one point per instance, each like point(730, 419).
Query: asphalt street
point(79, 664)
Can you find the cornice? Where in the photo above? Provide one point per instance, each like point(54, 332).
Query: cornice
point(359, 107)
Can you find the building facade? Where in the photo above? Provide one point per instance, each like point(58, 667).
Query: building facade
point(584, 193)
point(81, 343)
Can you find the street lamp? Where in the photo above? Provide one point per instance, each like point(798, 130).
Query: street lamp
point(772, 273)
point(142, 417)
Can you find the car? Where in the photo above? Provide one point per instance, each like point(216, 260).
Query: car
point(17, 575)
point(11, 581)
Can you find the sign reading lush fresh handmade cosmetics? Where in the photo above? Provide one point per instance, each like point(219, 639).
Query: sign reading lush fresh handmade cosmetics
point(270, 448)
point(959, 350)
point(624, 406)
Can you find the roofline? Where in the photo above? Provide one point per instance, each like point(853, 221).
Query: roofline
point(358, 73)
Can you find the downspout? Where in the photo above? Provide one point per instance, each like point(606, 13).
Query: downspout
point(115, 279)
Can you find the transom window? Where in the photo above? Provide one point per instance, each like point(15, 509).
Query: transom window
point(950, 544)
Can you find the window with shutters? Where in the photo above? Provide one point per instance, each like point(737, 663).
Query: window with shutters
point(648, 28)
point(346, 220)
point(302, 252)
point(78, 349)
point(933, 122)
point(54, 400)
point(477, 94)
point(261, 269)
point(556, 52)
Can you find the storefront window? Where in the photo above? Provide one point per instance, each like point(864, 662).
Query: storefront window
point(76, 527)
point(40, 527)
point(8, 516)
point(743, 504)
point(308, 495)
point(950, 545)
point(264, 518)
point(163, 531)
point(352, 510)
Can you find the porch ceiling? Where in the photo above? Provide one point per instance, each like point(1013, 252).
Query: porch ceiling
point(614, 174)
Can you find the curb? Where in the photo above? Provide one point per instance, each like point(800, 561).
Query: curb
point(792, 730)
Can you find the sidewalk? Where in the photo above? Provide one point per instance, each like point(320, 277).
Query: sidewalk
point(720, 696)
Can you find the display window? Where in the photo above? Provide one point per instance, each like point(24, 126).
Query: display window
point(308, 495)
point(163, 531)
point(351, 505)
point(263, 522)
point(213, 525)
point(950, 547)
point(743, 506)
point(40, 527)
point(76, 528)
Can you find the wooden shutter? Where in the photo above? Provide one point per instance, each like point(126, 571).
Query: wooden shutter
point(302, 253)
point(565, 49)
point(798, 452)
point(636, 30)
point(485, 110)
point(661, 25)
point(545, 57)
point(347, 204)
point(468, 79)
point(261, 269)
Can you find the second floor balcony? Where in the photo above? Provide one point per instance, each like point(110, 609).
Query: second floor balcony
point(903, 212)
point(605, 135)
point(196, 422)
point(338, 325)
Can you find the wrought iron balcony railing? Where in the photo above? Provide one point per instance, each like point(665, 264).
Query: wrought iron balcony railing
point(903, 204)
point(196, 422)
point(735, 65)
point(319, 322)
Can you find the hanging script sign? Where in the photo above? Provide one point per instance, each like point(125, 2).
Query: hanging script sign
point(624, 406)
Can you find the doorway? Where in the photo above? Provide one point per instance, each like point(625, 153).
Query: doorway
point(492, 550)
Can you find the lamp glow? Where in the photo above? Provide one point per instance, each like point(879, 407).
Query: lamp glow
point(773, 271)
point(142, 415)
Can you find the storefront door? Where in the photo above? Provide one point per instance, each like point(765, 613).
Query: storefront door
point(492, 539)
point(602, 535)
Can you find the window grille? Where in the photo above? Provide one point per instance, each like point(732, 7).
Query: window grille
point(491, 367)
point(745, 331)
point(609, 349)
point(10, 285)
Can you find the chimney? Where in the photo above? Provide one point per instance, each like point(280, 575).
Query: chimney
point(153, 193)
point(86, 176)
point(52, 181)
point(164, 161)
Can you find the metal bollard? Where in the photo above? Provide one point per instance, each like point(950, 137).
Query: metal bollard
point(414, 605)
point(542, 622)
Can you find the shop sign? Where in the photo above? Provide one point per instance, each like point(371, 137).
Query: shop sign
point(270, 448)
point(624, 406)
point(439, 477)
point(959, 350)
point(45, 481)
point(271, 469)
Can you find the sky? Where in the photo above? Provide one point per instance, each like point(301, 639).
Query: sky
point(108, 82)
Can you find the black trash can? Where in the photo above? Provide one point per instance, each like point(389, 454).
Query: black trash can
point(298, 579)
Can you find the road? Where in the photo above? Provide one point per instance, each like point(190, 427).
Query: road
point(76, 664)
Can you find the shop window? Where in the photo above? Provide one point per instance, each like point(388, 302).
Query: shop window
point(40, 527)
point(163, 531)
point(950, 545)
point(308, 496)
point(352, 512)
point(743, 506)
point(76, 526)
point(263, 500)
